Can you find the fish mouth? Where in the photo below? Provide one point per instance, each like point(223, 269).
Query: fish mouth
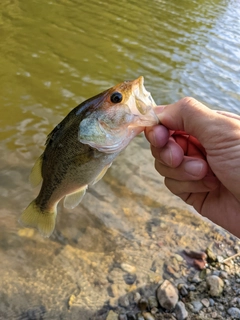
point(144, 104)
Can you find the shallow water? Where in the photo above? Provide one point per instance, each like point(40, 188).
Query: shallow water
point(55, 54)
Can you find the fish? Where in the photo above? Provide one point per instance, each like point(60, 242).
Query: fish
point(81, 148)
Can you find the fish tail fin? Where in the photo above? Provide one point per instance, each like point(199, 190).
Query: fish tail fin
point(34, 217)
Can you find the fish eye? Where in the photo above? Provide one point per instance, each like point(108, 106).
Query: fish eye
point(116, 97)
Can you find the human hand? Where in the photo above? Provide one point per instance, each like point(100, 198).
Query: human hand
point(197, 150)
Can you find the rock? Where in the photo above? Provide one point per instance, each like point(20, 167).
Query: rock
point(183, 289)
point(211, 256)
point(200, 264)
point(234, 312)
point(148, 316)
point(131, 316)
point(112, 316)
point(197, 306)
point(123, 301)
point(214, 315)
point(212, 302)
point(140, 316)
point(223, 275)
point(195, 254)
point(143, 304)
point(220, 259)
point(128, 268)
point(235, 302)
point(192, 287)
point(215, 285)
point(152, 301)
point(122, 316)
point(154, 310)
point(205, 302)
point(136, 297)
point(195, 278)
point(180, 311)
point(129, 278)
point(167, 295)
point(178, 257)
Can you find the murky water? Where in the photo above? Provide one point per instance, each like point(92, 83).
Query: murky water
point(55, 54)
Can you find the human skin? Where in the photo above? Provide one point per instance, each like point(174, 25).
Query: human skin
point(197, 150)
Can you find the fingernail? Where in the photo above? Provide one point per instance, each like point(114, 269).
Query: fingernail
point(151, 137)
point(194, 167)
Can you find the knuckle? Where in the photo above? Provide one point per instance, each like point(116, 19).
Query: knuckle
point(188, 101)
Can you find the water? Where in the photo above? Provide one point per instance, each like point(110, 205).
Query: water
point(55, 54)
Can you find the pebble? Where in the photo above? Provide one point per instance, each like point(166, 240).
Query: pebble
point(112, 316)
point(123, 301)
point(167, 295)
point(215, 285)
point(216, 273)
point(235, 302)
point(129, 278)
point(195, 278)
point(143, 304)
point(205, 302)
point(128, 268)
point(131, 316)
point(227, 282)
point(223, 275)
point(214, 315)
point(192, 287)
point(148, 316)
point(183, 289)
point(122, 316)
point(211, 255)
point(234, 312)
point(212, 302)
point(180, 311)
point(154, 310)
point(152, 301)
point(197, 306)
point(136, 297)
point(178, 257)
point(220, 259)
point(140, 316)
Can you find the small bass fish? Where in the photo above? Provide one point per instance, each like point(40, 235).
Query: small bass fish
point(82, 147)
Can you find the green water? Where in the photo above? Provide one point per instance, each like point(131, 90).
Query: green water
point(55, 54)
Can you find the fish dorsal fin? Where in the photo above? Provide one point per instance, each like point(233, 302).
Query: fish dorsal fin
point(73, 199)
point(36, 172)
point(101, 174)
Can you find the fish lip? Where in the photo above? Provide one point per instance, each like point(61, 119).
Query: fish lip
point(139, 90)
point(144, 104)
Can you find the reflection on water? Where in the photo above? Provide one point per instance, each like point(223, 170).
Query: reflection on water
point(55, 54)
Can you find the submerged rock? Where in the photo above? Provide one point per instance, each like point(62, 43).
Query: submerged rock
point(180, 311)
point(215, 285)
point(167, 295)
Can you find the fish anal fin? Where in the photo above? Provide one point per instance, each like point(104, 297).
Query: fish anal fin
point(73, 199)
point(33, 217)
point(101, 174)
point(36, 172)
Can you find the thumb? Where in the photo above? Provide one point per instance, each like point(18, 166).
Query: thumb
point(196, 119)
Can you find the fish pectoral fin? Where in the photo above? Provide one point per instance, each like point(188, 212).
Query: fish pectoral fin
point(34, 217)
point(73, 199)
point(36, 172)
point(101, 174)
